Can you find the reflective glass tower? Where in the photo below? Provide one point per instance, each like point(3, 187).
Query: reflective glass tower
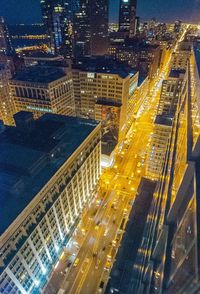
point(58, 20)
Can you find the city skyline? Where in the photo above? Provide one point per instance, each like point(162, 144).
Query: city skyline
point(146, 10)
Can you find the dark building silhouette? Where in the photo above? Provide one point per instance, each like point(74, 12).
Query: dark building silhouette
point(91, 28)
point(127, 17)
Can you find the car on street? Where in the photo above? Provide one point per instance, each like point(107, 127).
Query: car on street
point(101, 285)
point(76, 262)
point(107, 266)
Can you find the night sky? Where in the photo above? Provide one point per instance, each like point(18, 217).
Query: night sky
point(28, 11)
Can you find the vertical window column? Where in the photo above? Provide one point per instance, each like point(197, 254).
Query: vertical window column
point(44, 243)
point(74, 199)
point(57, 222)
point(83, 186)
point(36, 254)
point(15, 281)
point(50, 230)
point(25, 264)
point(70, 209)
point(63, 213)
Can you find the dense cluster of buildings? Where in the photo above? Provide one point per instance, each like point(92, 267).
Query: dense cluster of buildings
point(169, 251)
point(63, 109)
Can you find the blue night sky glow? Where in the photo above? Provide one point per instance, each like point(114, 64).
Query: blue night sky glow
point(28, 11)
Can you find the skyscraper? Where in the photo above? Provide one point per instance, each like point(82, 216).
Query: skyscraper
point(99, 27)
point(127, 17)
point(5, 40)
point(57, 17)
point(7, 108)
point(91, 28)
point(82, 30)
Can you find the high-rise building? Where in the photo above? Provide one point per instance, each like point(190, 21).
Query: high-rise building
point(58, 20)
point(49, 170)
point(181, 57)
point(144, 57)
point(170, 92)
point(169, 254)
point(127, 17)
point(103, 90)
point(82, 30)
point(5, 39)
point(91, 28)
point(7, 108)
point(160, 141)
point(43, 89)
point(99, 26)
point(172, 88)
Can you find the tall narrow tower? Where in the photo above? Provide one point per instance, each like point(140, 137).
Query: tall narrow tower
point(91, 28)
point(5, 40)
point(58, 20)
point(99, 27)
point(127, 17)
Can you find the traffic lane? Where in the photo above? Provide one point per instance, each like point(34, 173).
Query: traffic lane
point(91, 285)
point(86, 247)
point(77, 284)
point(87, 251)
point(127, 162)
point(132, 150)
point(101, 216)
point(73, 270)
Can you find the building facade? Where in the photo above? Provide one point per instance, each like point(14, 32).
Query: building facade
point(170, 92)
point(82, 30)
point(91, 28)
point(127, 17)
point(170, 246)
point(144, 57)
point(104, 91)
point(7, 108)
point(58, 21)
point(172, 89)
point(42, 90)
point(160, 141)
point(57, 187)
point(5, 39)
point(99, 27)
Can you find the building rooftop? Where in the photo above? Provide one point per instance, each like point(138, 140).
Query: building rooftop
point(134, 45)
point(102, 64)
point(42, 55)
point(177, 73)
point(163, 120)
point(31, 153)
point(141, 79)
point(39, 74)
point(108, 102)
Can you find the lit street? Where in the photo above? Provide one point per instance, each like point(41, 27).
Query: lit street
point(98, 235)
point(99, 147)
